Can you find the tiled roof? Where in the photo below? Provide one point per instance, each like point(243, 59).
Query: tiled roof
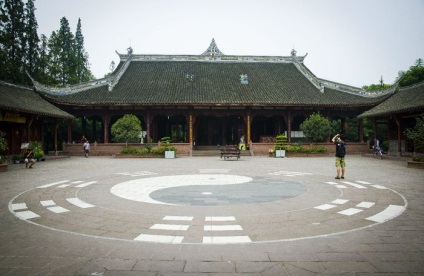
point(168, 82)
point(407, 100)
point(25, 100)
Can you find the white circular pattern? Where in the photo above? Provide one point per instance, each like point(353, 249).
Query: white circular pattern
point(140, 189)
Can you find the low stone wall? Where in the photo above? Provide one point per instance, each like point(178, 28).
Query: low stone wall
point(414, 164)
point(352, 148)
point(100, 149)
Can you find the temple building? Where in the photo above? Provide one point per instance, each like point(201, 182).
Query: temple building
point(24, 115)
point(211, 98)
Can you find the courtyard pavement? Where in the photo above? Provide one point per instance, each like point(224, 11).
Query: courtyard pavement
point(208, 216)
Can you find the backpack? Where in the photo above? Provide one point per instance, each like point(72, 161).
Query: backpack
point(340, 149)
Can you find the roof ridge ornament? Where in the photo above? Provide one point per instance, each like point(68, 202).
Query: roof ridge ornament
point(212, 50)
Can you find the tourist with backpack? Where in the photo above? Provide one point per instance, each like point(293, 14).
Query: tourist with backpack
point(340, 155)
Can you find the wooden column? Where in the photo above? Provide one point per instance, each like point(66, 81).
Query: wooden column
point(190, 130)
point(84, 126)
point(106, 121)
point(93, 130)
point(374, 130)
point(148, 130)
point(248, 130)
point(399, 137)
point(360, 130)
point(289, 122)
point(69, 131)
point(55, 137)
point(31, 119)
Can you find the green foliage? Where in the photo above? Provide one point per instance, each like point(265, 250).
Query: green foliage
point(416, 134)
point(3, 142)
point(415, 74)
point(297, 148)
point(316, 128)
point(418, 158)
point(375, 87)
point(126, 129)
point(158, 150)
point(165, 142)
point(280, 142)
point(129, 150)
point(36, 147)
point(12, 41)
point(141, 151)
point(58, 61)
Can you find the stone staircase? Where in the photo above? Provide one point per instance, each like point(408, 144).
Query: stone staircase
point(213, 151)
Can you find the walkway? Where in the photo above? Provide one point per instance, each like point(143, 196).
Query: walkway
point(204, 215)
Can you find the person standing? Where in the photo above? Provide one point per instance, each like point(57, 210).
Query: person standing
point(340, 155)
point(86, 148)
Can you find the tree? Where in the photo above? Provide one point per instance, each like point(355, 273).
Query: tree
point(54, 65)
point(376, 87)
point(127, 128)
point(415, 74)
point(12, 41)
point(82, 66)
point(416, 134)
point(316, 128)
point(32, 48)
point(66, 54)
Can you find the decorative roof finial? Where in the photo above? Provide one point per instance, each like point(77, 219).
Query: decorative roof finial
point(212, 50)
point(293, 52)
point(129, 50)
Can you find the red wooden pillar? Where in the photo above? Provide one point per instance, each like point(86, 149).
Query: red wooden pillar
point(148, 127)
point(289, 123)
point(399, 137)
point(360, 130)
point(69, 131)
point(106, 121)
point(31, 119)
point(374, 130)
point(248, 131)
point(55, 137)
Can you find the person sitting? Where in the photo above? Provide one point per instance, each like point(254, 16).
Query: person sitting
point(29, 158)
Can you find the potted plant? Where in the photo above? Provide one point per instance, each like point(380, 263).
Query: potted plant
point(38, 151)
point(165, 142)
point(279, 147)
point(3, 148)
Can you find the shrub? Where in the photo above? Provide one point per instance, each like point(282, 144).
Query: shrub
point(316, 128)
point(129, 150)
point(280, 142)
point(143, 151)
point(127, 129)
point(418, 158)
point(158, 150)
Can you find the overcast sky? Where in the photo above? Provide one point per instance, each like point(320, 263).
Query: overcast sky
point(354, 42)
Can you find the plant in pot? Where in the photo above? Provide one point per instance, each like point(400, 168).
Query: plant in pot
point(165, 142)
point(38, 151)
point(280, 145)
point(3, 148)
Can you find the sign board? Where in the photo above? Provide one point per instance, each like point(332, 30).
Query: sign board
point(12, 117)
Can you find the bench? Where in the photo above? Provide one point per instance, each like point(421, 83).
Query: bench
point(230, 151)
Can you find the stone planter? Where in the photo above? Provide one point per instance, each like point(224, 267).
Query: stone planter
point(280, 153)
point(129, 155)
point(3, 167)
point(308, 154)
point(170, 154)
point(415, 164)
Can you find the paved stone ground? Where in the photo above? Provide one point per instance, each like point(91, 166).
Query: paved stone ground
point(207, 216)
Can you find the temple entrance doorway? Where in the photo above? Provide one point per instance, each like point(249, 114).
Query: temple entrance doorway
point(214, 131)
